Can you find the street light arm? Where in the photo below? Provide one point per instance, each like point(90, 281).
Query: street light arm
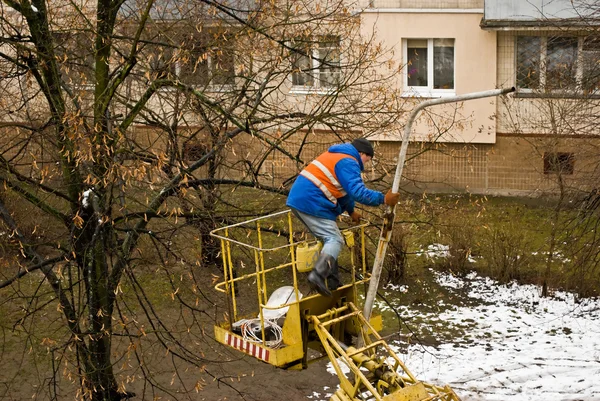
point(388, 220)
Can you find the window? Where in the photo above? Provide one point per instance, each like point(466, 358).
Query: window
point(559, 163)
point(558, 63)
point(161, 62)
point(561, 57)
point(194, 150)
point(316, 64)
point(429, 66)
point(590, 64)
point(75, 52)
point(528, 66)
point(200, 60)
point(207, 66)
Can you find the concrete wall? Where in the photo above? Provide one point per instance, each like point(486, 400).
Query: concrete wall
point(531, 10)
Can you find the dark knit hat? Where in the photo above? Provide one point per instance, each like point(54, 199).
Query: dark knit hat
point(363, 146)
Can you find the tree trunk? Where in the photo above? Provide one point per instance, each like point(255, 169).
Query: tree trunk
point(553, 234)
point(90, 240)
point(211, 246)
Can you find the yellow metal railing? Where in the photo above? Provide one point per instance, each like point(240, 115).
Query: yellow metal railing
point(256, 245)
point(376, 368)
point(377, 373)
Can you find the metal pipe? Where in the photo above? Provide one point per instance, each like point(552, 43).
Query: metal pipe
point(388, 220)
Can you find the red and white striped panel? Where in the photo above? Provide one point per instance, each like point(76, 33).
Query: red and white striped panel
point(248, 347)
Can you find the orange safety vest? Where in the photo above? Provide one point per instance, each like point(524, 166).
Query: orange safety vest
point(321, 172)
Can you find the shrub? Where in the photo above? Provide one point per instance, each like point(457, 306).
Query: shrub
point(504, 250)
point(460, 240)
point(395, 262)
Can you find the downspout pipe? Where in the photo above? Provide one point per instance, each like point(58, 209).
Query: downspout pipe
point(388, 219)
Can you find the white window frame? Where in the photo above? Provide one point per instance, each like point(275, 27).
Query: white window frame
point(579, 65)
point(316, 87)
point(426, 91)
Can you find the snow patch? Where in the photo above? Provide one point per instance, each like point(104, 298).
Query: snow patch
point(435, 251)
point(518, 345)
point(85, 198)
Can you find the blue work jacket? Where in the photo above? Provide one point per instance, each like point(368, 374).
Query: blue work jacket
point(306, 197)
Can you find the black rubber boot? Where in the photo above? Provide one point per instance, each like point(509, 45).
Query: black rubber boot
point(333, 279)
point(316, 278)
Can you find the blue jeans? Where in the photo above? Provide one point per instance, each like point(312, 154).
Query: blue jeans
point(325, 230)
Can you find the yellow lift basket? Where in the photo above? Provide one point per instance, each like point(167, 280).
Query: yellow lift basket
point(278, 324)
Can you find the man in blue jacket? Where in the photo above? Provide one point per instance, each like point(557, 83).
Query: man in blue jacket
point(326, 188)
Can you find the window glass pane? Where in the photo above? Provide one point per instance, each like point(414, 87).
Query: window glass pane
point(75, 52)
point(206, 59)
point(561, 56)
point(301, 67)
point(162, 62)
point(329, 59)
point(561, 163)
point(591, 64)
point(443, 61)
point(193, 66)
point(528, 62)
point(221, 67)
point(417, 62)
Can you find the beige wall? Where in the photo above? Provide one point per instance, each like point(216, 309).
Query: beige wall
point(475, 70)
point(422, 4)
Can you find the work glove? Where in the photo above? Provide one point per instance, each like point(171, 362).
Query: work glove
point(391, 198)
point(355, 217)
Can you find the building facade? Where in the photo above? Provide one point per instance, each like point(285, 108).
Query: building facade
point(534, 141)
point(217, 78)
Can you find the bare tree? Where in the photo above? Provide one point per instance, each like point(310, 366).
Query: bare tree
point(556, 111)
point(124, 122)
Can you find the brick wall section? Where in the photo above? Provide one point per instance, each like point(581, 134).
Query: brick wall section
point(304, 146)
point(513, 166)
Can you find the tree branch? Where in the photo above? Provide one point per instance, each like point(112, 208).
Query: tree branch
point(36, 201)
point(30, 269)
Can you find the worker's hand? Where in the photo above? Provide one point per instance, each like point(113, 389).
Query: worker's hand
point(391, 198)
point(355, 217)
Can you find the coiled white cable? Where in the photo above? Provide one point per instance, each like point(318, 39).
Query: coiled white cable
point(252, 331)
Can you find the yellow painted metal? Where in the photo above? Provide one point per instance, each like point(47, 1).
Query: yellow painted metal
point(348, 238)
point(227, 283)
point(326, 324)
point(291, 330)
point(219, 286)
point(251, 235)
point(229, 269)
point(281, 357)
point(376, 321)
point(362, 251)
point(413, 392)
point(387, 379)
point(262, 296)
point(306, 256)
point(291, 241)
point(340, 395)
